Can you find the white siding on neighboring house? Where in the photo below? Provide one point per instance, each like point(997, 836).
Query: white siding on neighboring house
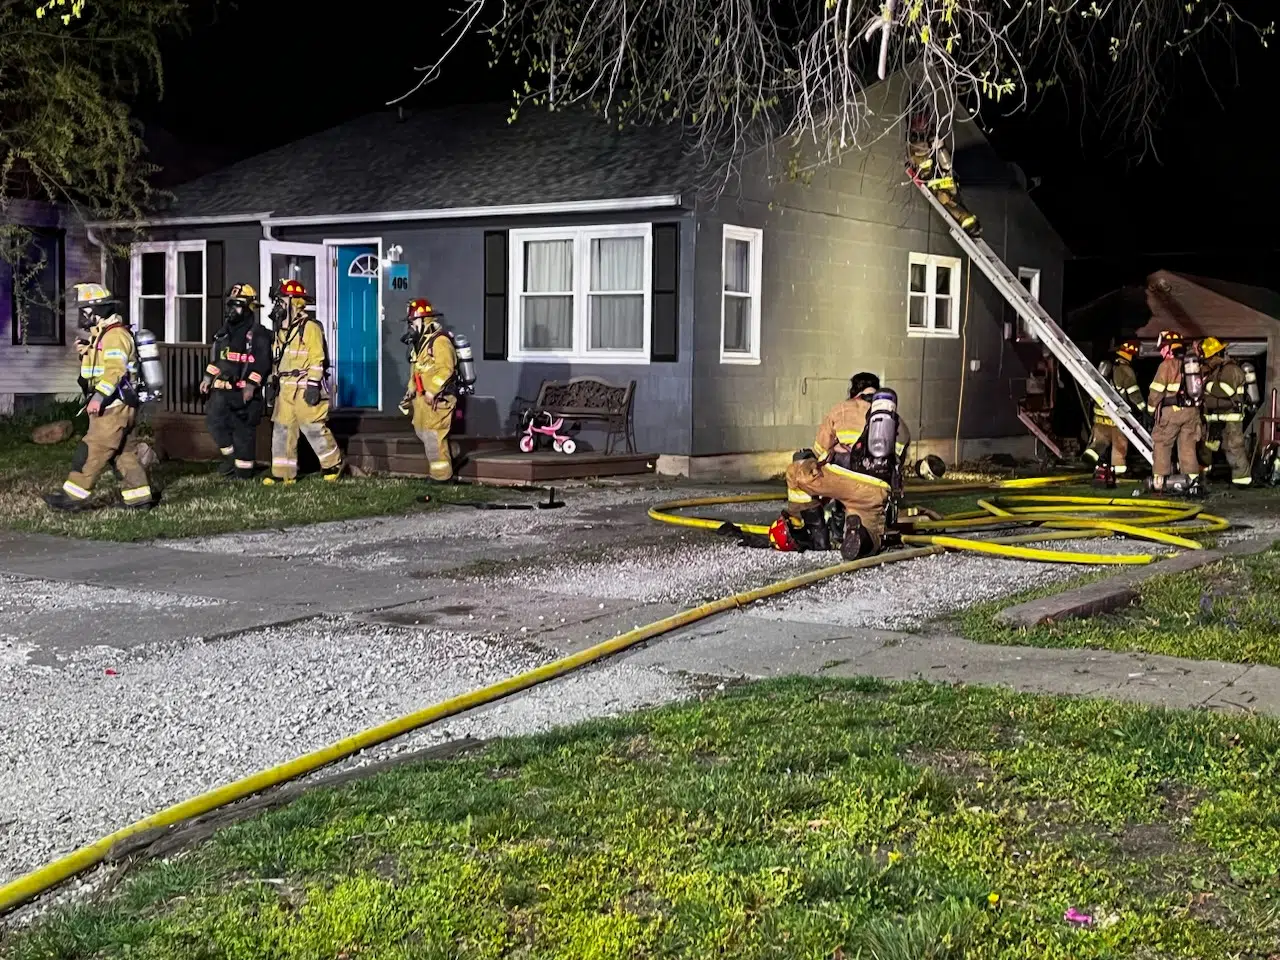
point(50, 368)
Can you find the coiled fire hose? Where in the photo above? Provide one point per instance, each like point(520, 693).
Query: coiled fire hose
point(1053, 517)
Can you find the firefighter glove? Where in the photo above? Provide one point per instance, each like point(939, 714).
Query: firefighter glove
point(311, 396)
point(406, 405)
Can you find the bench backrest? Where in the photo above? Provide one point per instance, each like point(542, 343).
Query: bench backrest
point(585, 395)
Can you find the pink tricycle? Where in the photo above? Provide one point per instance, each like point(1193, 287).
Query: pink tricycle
point(540, 423)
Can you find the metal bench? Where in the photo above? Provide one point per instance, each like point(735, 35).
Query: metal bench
point(590, 400)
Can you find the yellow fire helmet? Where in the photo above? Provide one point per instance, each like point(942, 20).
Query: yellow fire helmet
point(1210, 346)
point(88, 294)
point(245, 293)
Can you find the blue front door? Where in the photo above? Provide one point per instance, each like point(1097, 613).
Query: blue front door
point(356, 326)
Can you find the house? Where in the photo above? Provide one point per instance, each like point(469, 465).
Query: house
point(562, 247)
point(38, 361)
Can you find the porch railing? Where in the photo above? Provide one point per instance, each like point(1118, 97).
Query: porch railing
point(184, 365)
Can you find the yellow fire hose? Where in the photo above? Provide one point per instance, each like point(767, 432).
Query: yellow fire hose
point(1155, 520)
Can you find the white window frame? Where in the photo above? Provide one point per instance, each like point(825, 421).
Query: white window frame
point(170, 249)
point(754, 238)
point(581, 237)
point(1021, 333)
point(931, 263)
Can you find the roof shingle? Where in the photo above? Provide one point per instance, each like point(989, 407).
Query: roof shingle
point(455, 157)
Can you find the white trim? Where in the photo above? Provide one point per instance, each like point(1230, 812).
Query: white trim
point(755, 240)
point(581, 237)
point(931, 262)
point(170, 249)
point(179, 221)
point(470, 213)
point(332, 246)
point(1020, 332)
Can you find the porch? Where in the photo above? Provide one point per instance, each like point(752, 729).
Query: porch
point(372, 441)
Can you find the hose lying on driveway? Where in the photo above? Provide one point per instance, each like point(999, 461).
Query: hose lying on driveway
point(1056, 518)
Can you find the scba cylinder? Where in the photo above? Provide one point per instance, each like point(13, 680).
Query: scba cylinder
point(882, 424)
point(466, 363)
point(151, 367)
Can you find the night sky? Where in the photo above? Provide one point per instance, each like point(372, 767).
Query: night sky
point(256, 75)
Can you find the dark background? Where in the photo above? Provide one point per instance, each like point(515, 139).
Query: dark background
point(256, 74)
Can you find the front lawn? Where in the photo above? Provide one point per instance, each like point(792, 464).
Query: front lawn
point(1225, 611)
point(195, 500)
point(795, 819)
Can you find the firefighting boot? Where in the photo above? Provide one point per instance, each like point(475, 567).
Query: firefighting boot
point(61, 500)
point(333, 473)
point(856, 542)
point(271, 481)
point(227, 465)
point(815, 527)
point(1104, 476)
point(1197, 488)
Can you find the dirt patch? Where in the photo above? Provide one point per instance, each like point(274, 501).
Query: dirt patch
point(407, 619)
point(961, 765)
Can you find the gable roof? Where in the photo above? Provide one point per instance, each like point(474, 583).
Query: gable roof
point(1198, 306)
point(466, 156)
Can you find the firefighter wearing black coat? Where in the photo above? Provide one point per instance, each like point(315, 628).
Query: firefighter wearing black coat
point(234, 382)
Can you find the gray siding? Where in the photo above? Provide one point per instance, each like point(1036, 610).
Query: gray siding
point(834, 287)
point(446, 265)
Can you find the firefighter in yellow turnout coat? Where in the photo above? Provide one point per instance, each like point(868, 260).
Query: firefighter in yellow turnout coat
point(108, 375)
point(1105, 432)
point(431, 395)
point(1225, 398)
point(1176, 398)
point(301, 406)
point(863, 493)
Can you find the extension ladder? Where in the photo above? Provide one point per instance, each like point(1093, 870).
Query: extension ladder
point(1044, 327)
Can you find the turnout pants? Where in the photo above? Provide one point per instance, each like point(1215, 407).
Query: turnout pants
point(865, 498)
point(431, 422)
point(109, 440)
point(291, 417)
point(1180, 427)
point(1107, 434)
point(1228, 436)
point(233, 424)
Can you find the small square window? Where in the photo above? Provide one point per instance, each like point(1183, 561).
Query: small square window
point(933, 296)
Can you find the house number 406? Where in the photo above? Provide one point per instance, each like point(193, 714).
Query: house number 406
point(399, 283)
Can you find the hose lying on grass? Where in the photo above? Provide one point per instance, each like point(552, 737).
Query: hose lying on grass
point(1054, 518)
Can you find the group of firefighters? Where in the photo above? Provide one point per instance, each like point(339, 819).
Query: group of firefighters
point(251, 372)
point(1197, 404)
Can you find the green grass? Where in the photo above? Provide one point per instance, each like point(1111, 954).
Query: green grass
point(195, 500)
point(1225, 611)
point(794, 819)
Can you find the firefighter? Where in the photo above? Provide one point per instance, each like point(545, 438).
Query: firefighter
point(1105, 431)
point(431, 396)
point(234, 382)
point(1225, 407)
point(109, 378)
point(1176, 399)
point(929, 160)
point(855, 459)
point(300, 362)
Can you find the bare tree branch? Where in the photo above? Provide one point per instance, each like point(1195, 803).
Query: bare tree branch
point(740, 74)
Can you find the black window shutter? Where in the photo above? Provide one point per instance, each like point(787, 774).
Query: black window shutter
point(215, 286)
point(664, 344)
point(495, 295)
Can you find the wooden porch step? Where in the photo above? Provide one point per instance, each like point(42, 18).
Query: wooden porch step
point(504, 469)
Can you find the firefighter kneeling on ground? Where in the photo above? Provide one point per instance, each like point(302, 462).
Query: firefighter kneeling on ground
point(109, 378)
point(1176, 400)
point(300, 361)
point(929, 160)
point(431, 397)
point(1105, 431)
point(234, 382)
point(1230, 394)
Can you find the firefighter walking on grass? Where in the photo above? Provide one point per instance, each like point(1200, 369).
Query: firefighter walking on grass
point(300, 361)
point(431, 397)
point(1176, 400)
point(1230, 388)
point(109, 378)
point(234, 382)
point(1105, 432)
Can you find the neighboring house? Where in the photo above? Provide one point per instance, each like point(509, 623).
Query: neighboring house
point(562, 247)
point(38, 361)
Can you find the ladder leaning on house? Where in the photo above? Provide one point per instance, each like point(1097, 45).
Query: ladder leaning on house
point(1044, 327)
